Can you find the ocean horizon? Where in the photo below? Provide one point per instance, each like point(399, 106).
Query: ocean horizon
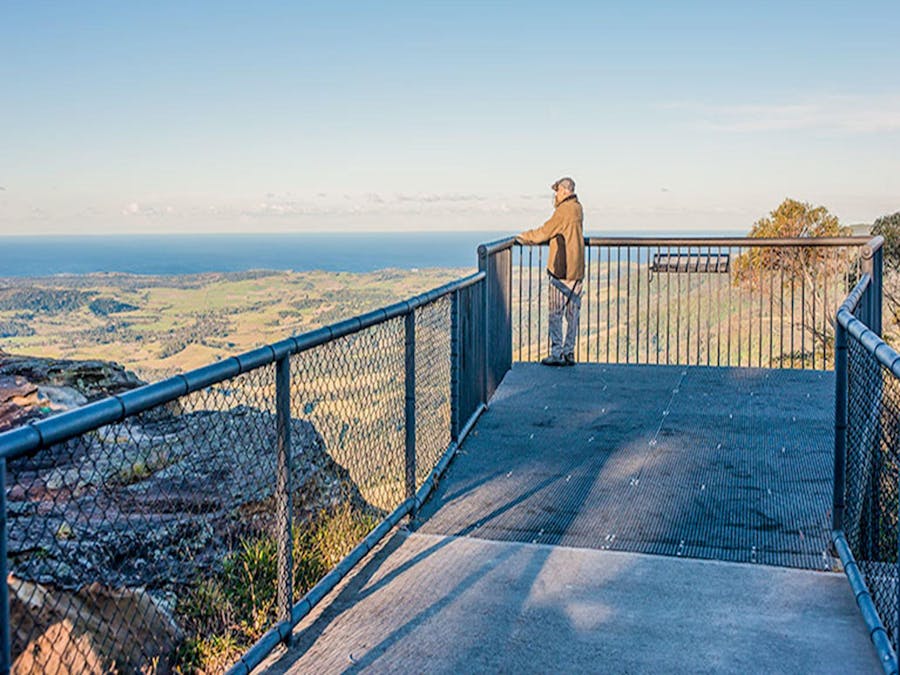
point(177, 254)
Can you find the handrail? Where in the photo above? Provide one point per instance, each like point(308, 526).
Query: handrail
point(866, 242)
point(867, 338)
point(847, 324)
point(59, 428)
point(874, 244)
point(856, 295)
point(492, 247)
point(801, 242)
point(877, 633)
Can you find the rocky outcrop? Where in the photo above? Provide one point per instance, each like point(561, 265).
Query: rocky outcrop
point(33, 387)
point(106, 531)
point(136, 512)
point(146, 503)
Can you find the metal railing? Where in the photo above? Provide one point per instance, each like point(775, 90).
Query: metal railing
point(694, 301)
point(865, 526)
point(176, 525)
point(214, 509)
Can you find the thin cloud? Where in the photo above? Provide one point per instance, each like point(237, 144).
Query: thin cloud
point(380, 203)
point(432, 197)
point(137, 209)
point(850, 114)
point(646, 210)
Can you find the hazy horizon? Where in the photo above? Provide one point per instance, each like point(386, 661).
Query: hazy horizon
point(589, 231)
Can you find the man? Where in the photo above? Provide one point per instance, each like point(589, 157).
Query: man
point(565, 265)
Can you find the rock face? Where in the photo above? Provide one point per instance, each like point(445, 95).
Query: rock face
point(32, 387)
point(146, 503)
point(106, 531)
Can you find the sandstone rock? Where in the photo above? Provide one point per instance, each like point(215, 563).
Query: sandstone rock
point(93, 629)
point(62, 398)
point(19, 401)
point(106, 529)
point(32, 387)
point(94, 379)
point(149, 506)
point(14, 388)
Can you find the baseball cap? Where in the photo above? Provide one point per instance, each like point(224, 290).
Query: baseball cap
point(565, 181)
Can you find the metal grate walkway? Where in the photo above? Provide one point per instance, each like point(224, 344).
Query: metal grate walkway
point(718, 463)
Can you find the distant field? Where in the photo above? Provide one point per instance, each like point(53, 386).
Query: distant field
point(161, 325)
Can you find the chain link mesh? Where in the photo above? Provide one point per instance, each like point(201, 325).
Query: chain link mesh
point(162, 543)
point(871, 514)
point(432, 385)
point(152, 545)
point(122, 539)
point(351, 390)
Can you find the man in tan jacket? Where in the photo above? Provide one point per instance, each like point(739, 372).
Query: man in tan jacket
point(565, 265)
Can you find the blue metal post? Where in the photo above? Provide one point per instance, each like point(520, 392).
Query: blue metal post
point(876, 289)
point(485, 318)
point(867, 306)
point(454, 366)
point(284, 506)
point(5, 648)
point(410, 325)
point(840, 424)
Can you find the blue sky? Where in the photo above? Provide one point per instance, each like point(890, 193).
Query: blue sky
point(242, 117)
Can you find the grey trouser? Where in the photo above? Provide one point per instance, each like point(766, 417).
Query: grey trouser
point(565, 298)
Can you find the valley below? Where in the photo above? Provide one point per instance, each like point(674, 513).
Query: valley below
point(157, 326)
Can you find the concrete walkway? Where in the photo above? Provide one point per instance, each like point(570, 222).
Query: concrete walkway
point(433, 604)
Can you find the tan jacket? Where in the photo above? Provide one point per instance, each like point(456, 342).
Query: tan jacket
point(566, 236)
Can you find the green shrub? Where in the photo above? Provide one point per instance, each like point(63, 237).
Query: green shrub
point(226, 612)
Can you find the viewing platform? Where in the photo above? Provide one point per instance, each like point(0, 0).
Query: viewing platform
point(712, 488)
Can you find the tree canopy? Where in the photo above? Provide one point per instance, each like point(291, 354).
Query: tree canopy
point(889, 228)
point(792, 219)
point(798, 219)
